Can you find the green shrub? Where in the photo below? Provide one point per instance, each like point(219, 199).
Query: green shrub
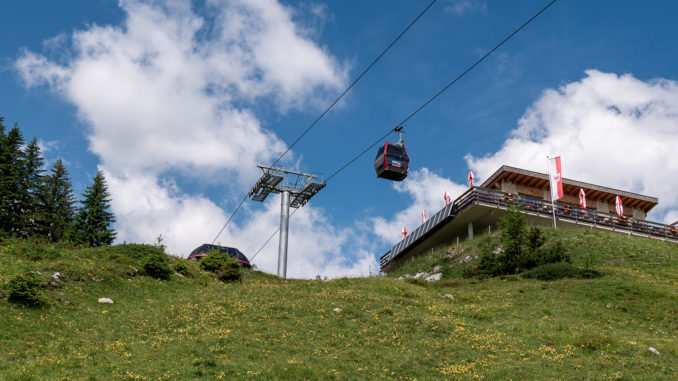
point(226, 268)
point(158, 266)
point(552, 253)
point(523, 248)
point(214, 261)
point(535, 238)
point(230, 272)
point(183, 268)
point(26, 289)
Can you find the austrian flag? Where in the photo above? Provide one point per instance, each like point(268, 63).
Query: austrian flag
point(556, 178)
point(619, 206)
point(582, 198)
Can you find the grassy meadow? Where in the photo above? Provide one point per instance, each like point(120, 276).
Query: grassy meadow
point(196, 327)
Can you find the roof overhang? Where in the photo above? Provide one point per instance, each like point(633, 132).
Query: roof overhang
point(538, 180)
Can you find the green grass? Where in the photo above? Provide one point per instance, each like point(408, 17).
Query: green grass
point(267, 328)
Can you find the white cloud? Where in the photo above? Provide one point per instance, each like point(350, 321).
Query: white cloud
point(426, 190)
point(461, 7)
point(612, 130)
point(173, 91)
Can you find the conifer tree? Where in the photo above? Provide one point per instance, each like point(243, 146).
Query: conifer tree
point(92, 225)
point(58, 203)
point(11, 173)
point(32, 182)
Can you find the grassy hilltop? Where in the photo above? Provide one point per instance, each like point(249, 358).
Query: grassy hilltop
point(364, 328)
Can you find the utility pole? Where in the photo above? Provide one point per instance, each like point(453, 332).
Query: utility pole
point(296, 188)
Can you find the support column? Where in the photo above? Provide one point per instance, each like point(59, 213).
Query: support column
point(284, 228)
point(470, 230)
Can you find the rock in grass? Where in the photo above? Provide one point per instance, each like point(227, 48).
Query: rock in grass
point(448, 296)
point(434, 277)
point(436, 269)
point(106, 300)
point(420, 275)
point(337, 309)
point(654, 350)
point(468, 259)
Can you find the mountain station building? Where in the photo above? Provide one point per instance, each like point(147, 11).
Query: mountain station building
point(480, 208)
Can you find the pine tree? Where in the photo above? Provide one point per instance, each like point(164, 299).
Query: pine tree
point(11, 173)
point(92, 225)
point(58, 203)
point(32, 183)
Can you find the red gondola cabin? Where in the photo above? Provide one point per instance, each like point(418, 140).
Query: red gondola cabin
point(392, 161)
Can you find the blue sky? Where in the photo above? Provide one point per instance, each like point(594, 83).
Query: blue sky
point(177, 103)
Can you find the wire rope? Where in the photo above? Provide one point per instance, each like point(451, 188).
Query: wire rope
point(431, 99)
point(315, 122)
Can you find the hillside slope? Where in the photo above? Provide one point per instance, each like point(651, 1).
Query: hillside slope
point(363, 328)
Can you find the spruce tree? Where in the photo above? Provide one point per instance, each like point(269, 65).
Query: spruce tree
point(58, 203)
point(31, 191)
point(11, 174)
point(92, 225)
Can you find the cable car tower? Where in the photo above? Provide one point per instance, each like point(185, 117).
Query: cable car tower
point(296, 188)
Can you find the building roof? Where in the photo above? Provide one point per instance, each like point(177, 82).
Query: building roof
point(595, 192)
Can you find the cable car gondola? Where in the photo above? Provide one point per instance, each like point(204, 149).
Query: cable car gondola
point(392, 161)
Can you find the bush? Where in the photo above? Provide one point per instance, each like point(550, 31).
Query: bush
point(26, 289)
point(158, 266)
point(523, 249)
point(230, 272)
point(183, 268)
point(214, 261)
point(226, 268)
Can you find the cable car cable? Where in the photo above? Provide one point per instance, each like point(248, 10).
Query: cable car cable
point(441, 91)
point(355, 81)
point(424, 105)
point(315, 122)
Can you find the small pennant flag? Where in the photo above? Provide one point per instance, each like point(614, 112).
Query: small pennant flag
point(447, 199)
point(423, 216)
point(620, 208)
point(556, 177)
point(404, 232)
point(582, 198)
point(470, 179)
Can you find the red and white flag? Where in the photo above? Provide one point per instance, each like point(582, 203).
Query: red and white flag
point(470, 179)
point(423, 216)
point(446, 198)
point(556, 178)
point(582, 198)
point(620, 208)
point(404, 232)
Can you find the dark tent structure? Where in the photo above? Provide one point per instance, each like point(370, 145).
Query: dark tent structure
point(204, 249)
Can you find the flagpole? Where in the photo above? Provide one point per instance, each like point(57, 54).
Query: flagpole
point(553, 207)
